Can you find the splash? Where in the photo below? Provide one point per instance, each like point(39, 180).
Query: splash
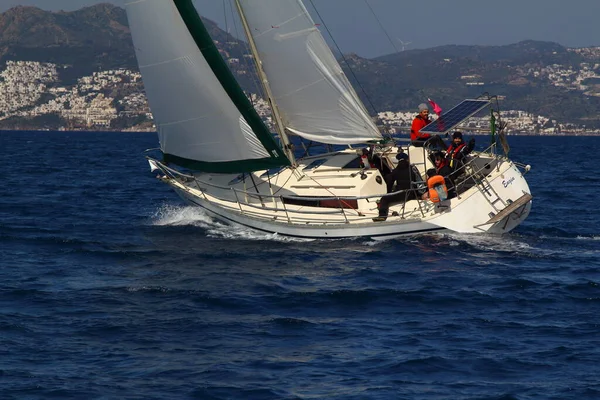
point(170, 215)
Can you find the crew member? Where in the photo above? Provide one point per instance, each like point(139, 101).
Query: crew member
point(457, 151)
point(421, 120)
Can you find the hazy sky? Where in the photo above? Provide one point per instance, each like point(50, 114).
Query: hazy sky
point(574, 23)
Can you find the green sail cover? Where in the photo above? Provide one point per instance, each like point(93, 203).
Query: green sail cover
point(204, 120)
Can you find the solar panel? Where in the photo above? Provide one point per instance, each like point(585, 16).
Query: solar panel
point(455, 116)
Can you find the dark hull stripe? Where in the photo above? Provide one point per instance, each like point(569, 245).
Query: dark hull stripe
point(313, 237)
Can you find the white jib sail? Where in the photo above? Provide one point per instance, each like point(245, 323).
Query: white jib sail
point(196, 119)
point(315, 98)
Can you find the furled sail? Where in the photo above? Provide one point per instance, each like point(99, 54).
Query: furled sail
point(204, 120)
point(314, 97)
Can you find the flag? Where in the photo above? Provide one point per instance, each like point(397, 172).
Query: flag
point(497, 130)
point(493, 126)
point(436, 108)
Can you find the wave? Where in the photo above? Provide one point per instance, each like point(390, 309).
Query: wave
point(526, 242)
point(290, 322)
point(172, 215)
point(587, 237)
point(512, 243)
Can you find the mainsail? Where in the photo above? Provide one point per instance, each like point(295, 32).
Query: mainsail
point(314, 97)
point(204, 120)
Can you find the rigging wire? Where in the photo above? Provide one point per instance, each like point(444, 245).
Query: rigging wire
point(250, 66)
point(386, 130)
point(344, 58)
point(386, 35)
point(225, 17)
point(381, 26)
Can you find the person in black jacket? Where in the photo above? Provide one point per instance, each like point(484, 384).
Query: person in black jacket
point(404, 178)
point(400, 176)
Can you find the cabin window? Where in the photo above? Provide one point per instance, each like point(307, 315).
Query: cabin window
point(272, 172)
point(314, 164)
point(327, 202)
point(354, 164)
point(237, 179)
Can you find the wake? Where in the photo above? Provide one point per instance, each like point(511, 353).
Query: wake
point(171, 215)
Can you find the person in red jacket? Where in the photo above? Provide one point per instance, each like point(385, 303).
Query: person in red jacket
point(421, 120)
point(456, 152)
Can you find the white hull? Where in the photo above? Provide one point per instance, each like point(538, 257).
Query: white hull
point(497, 204)
point(331, 231)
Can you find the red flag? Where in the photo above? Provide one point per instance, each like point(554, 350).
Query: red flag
point(436, 108)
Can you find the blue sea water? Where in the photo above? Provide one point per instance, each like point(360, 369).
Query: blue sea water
point(111, 288)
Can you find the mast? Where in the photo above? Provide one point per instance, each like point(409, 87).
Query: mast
point(287, 146)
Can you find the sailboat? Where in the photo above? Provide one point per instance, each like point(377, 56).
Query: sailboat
point(218, 154)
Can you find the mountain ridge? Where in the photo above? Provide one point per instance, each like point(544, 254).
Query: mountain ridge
point(537, 77)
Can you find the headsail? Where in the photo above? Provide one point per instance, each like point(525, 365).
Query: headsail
point(315, 98)
point(204, 120)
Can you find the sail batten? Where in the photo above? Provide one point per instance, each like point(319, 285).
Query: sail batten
point(162, 62)
point(313, 95)
point(203, 118)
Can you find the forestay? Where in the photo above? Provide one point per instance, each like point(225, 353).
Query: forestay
point(315, 98)
point(203, 118)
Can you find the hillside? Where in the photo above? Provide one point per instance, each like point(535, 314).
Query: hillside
point(91, 39)
point(538, 77)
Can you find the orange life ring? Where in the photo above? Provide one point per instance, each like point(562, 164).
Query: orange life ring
point(437, 188)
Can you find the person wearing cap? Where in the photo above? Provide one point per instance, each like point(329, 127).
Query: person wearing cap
point(441, 168)
point(400, 175)
point(403, 177)
point(457, 151)
point(421, 120)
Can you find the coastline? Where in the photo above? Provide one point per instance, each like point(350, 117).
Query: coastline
point(587, 134)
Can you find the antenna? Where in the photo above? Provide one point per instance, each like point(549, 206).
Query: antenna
point(403, 43)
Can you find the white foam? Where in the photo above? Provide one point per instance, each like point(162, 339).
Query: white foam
point(503, 243)
point(581, 237)
point(170, 215)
